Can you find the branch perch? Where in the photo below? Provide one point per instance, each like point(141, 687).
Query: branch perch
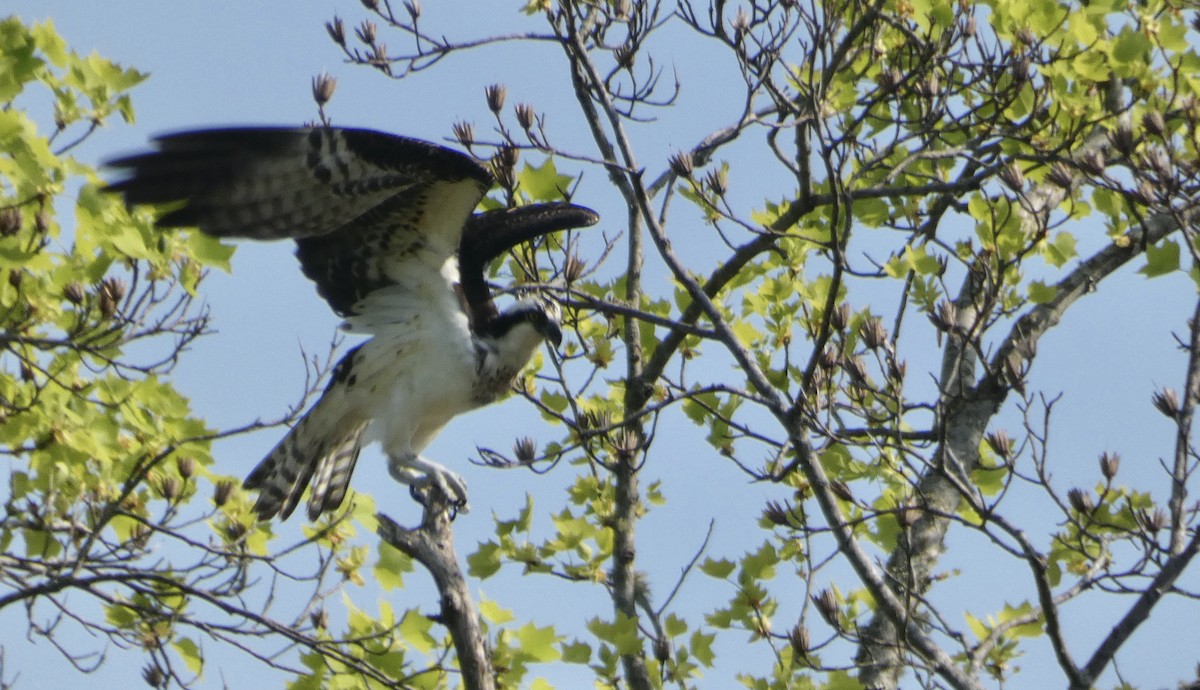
point(432, 545)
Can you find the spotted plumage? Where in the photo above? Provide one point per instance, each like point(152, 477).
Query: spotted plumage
point(384, 226)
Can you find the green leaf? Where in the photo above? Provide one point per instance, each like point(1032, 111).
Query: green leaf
point(841, 680)
point(543, 183)
point(978, 629)
point(1010, 613)
point(50, 43)
point(674, 626)
point(760, 565)
point(718, 569)
point(390, 568)
point(414, 629)
point(485, 562)
point(622, 635)
point(209, 251)
point(540, 644)
point(700, 645)
point(555, 401)
point(872, 212)
point(493, 612)
point(1161, 259)
point(120, 616)
point(1131, 46)
point(189, 651)
point(1060, 250)
point(1092, 64)
point(1040, 293)
point(576, 652)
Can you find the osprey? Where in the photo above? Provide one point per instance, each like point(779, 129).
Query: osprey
point(384, 226)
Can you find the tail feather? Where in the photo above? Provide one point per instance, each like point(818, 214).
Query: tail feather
point(333, 474)
point(321, 443)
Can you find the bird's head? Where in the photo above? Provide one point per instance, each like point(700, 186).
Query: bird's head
point(542, 315)
point(518, 330)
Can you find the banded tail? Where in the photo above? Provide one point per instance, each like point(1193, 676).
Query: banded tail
point(322, 448)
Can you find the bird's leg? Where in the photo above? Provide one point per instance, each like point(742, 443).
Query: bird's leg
point(415, 471)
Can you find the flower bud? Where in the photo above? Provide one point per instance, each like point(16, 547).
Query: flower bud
point(777, 514)
point(624, 56)
point(1012, 176)
point(840, 318)
point(627, 442)
point(525, 449)
point(1154, 123)
point(873, 333)
point(234, 531)
point(1122, 140)
point(366, 32)
point(945, 316)
point(1152, 521)
point(969, 27)
point(465, 133)
point(495, 95)
point(842, 490)
point(319, 619)
point(1167, 402)
point(1092, 163)
point(41, 220)
point(662, 649)
point(186, 466)
point(504, 165)
point(930, 86)
point(222, 492)
point(1109, 464)
point(74, 293)
point(108, 306)
point(826, 603)
point(800, 641)
point(154, 676)
point(1060, 175)
point(323, 86)
point(1080, 500)
point(10, 221)
point(1000, 443)
point(718, 181)
point(1144, 194)
point(573, 268)
point(856, 367)
point(682, 164)
point(829, 358)
point(169, 487)
point(336, 30)
point(525, 116)
point(113, 287)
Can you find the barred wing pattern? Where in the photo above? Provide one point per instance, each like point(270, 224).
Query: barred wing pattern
point(365, 208)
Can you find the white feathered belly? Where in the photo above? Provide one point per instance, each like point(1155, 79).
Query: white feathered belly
point(415, 383)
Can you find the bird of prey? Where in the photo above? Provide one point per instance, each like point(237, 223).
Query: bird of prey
point(385, 227)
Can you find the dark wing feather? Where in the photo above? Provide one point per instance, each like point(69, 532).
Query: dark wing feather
point(491, 233)
point(358, 202)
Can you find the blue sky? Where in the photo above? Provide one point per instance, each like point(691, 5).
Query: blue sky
point(250, 63)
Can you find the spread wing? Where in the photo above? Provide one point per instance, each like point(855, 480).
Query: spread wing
point(367, 209)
